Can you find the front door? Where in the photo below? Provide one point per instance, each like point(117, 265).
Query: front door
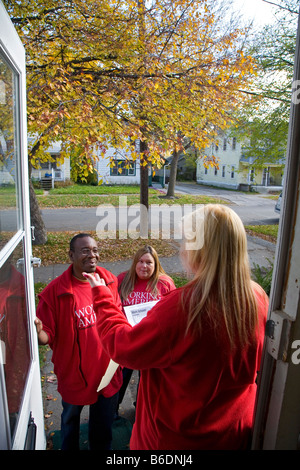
point(21, 410)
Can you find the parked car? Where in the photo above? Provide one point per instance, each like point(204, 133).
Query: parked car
point(278, 204)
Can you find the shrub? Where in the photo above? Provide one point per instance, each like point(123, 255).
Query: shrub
point(263, 276)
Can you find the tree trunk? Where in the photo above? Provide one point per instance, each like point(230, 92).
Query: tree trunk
point(36, 220)
point(144, 203)
point(173, 174)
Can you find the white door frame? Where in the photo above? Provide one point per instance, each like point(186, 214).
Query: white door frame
point(277, 423)
point(12, 50)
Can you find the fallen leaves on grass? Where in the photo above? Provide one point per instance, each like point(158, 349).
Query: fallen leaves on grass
point(263, 236)
point(56, 250)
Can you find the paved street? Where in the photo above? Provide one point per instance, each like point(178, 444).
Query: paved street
point(254, 209)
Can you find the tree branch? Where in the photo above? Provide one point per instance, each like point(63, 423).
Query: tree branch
point(282, 7)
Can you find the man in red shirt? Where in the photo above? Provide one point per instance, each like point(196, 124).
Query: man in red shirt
point(66, 320)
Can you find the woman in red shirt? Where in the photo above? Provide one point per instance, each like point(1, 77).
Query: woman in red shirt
point(145, 281)
point(199, 348)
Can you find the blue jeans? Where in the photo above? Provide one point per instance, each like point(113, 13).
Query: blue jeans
point(101, 416)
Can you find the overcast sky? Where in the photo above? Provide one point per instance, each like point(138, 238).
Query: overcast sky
point(259, 10)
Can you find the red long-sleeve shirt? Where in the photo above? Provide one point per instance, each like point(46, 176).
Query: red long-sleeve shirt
point(194, 393)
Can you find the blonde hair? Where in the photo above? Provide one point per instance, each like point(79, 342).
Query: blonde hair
point(221, 288)
point(130, 278)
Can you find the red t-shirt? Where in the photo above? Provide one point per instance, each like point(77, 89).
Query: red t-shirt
point(140, 294)
point(85, 316)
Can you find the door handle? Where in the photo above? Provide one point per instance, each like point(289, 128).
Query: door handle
point(35, 262)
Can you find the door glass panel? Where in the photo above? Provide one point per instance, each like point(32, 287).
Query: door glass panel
point(9, 152)
point(14, 328)
point(14, 331)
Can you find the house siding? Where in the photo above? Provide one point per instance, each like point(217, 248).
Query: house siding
point(228, 173)
point(235, 172)
point(104, 171)
point(65, 167)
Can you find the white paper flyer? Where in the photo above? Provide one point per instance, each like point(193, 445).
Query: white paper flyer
point(135, 313)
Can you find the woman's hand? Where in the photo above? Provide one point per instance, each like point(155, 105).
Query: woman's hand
point(94, 279)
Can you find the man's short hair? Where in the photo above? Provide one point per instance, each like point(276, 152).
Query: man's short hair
point(79, 235)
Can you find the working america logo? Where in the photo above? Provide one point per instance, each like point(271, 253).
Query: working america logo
point(86, 317)
point(137, 297)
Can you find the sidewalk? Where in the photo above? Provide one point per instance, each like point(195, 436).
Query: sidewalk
point(260, 252)
point(53, 408)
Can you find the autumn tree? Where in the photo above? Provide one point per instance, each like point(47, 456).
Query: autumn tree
point(113, 72)
point(264, 121)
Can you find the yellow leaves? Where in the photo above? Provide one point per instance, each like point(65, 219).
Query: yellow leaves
point(178, 76)
point(211, 161)
point(67, 115)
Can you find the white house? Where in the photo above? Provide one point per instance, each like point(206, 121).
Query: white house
point(236, 171)
point(53, 170)
point(125, 169)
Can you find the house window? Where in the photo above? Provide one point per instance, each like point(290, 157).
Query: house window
point(232, 172)
point(123, 168)
point(223, 171)
point(49, 164)
point(224, 143)
point(234, 143)
point(216, 171)
point(205, 170)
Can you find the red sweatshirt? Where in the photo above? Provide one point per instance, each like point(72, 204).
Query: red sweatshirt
point(140, 294)
point(193, 393)
point(78, 357)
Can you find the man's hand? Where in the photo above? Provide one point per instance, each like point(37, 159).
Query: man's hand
point(39, 325)
point(42, 335)
point(94, 279)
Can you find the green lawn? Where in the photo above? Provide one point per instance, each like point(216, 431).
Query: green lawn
point(78, 195)
point(268, 231)
point(93, 196)
point(102, 189)
point(57, 248)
